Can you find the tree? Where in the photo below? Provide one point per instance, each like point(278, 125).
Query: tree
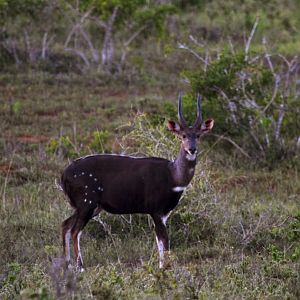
point(132, 17)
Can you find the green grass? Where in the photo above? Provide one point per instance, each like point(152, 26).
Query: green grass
point(235, 234)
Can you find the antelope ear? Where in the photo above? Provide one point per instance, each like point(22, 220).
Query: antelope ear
point(207, 125)
point(173, 127)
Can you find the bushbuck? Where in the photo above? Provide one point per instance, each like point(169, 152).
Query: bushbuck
point(127, 185)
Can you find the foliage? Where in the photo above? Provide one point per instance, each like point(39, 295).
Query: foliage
point(99, 142)
point(235, 233)
point(62, 146)
point(15, 8)
point(251, 101)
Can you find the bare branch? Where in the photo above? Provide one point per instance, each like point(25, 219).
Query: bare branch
point(275, 91)
point(231, 105)
point(28, 46)
point(10, 46)
point(129, 41)
point(94, 51)
point(195, 41)
point(292, 65)
point(108, 48)
point(80, 54)
point(77, 25)
point(185, 47)
point(248, 43)
point(223, 137)
point(267, 56)
point(256, 140)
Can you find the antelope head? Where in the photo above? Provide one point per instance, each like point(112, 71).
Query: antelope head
point(190, 135)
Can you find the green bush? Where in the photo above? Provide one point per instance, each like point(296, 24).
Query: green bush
point(252, 101)
point(62, 147)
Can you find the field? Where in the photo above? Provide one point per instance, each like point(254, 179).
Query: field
point(94, 76)
point(235, 234)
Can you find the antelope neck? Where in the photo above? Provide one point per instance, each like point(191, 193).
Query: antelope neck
point(183, 169)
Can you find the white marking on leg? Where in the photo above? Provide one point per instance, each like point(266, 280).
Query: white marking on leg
point(178, 188)
point(67, 241)
point(165, 218)
point(79, 258)
point(58, 185)
point(191, 170)
point(160, 247)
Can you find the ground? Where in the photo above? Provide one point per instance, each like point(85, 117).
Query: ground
point(234, 235)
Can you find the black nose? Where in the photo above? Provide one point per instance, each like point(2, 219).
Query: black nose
point(192, 150)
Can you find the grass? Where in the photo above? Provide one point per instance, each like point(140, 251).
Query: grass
point(235, 234)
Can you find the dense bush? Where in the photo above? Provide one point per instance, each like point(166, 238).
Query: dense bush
point(254, 101)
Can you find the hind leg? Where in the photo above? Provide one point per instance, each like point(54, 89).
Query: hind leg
point(66, 234)
point(81, 220)
point(162, 239)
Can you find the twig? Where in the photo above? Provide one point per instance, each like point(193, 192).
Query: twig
point(248, 43)
point(80, 54)
point(229, 103)
point(222, 137)
point(129, 41)
point(275, 90)
point(28, 46)
point(94, 51)
point(6, 179)
point(44, 45)
point(185, 47)
point(77, 25)
point(267, 56)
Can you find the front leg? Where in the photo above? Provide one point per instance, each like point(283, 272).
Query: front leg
point(162, 239)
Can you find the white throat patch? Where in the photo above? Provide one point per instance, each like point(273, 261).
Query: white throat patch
point(191, 157)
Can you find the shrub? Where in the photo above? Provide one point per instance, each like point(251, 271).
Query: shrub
point(253, 101)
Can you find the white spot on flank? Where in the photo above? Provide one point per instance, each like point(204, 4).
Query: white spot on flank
point(178, 188)
point(82, 173)
point(95, 179)
point(85, 194)
point(90, 202)
point(100, 188)
point(85, 200)
point(91, 175)
point(75, 176)
point(86, 186)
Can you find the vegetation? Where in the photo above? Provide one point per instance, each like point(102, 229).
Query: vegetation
point(81, 77)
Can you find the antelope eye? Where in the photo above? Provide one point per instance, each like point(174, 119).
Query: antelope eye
point(183, 136)
point(198, 136)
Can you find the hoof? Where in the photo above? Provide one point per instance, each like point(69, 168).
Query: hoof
point(68, 265)
point(80, 269)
